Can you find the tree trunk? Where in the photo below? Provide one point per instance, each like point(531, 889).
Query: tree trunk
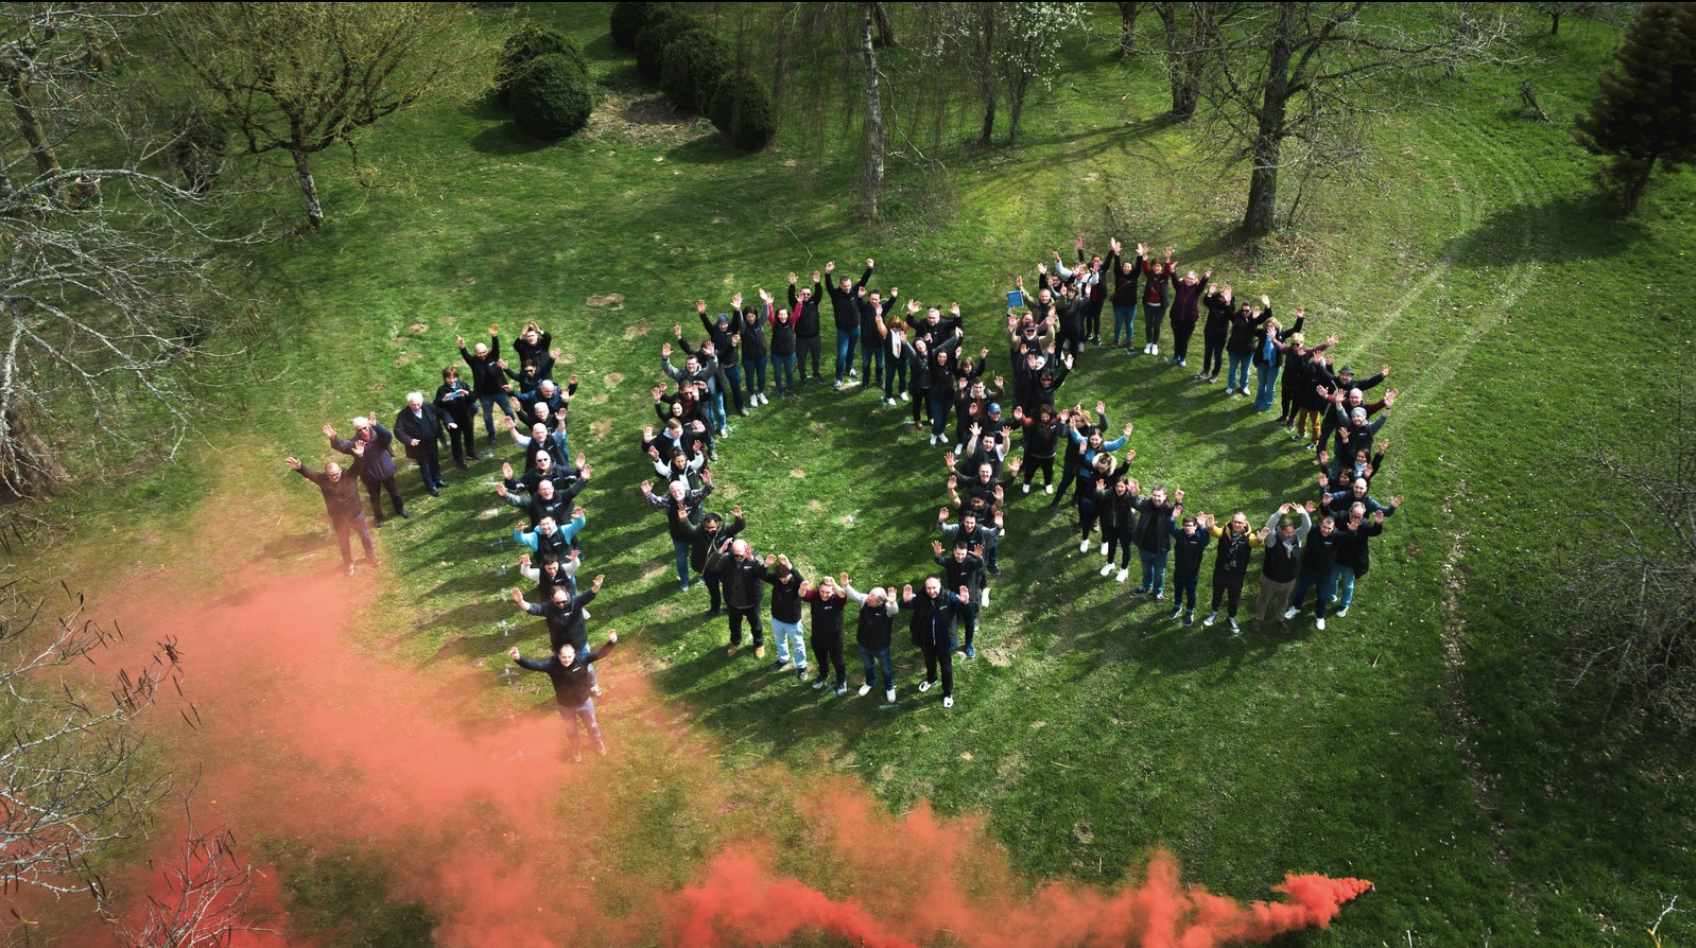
point(27, 465)
point(1261, 214)
point(1185, 57)
point(1127, 28)
point(1555, 23)
point(308, 189)
point(1016, 108)
point(99, 59)
point(885, 29)
point(986, 77)
point(873, 182)
point(17, 87)
point(1635, 185)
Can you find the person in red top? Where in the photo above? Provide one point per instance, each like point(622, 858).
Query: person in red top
point(1156, 296)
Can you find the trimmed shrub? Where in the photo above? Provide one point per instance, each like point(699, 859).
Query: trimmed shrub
point(553, 97)
point(527, 44)
point(741, 109)
point(629, 19)
point(693, 63)
point(657, 35)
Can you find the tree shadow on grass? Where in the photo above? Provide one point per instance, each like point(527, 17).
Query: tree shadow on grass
point(1567, 229)
point(506, 139)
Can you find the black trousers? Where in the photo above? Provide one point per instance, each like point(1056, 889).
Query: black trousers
point(429, 464)
point(1225, 583)
point(1068, 474)
point(1152, 316)
point(1212, 354)
point(827, 652)
point(806, 347)
point(715, 586)
point(1092, 320)
point(1182, 330)
point(752, 614)
point(940, 656)
point(1046, 465)
point(374, 490)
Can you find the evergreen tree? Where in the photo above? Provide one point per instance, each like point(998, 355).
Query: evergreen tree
point(1645, 117)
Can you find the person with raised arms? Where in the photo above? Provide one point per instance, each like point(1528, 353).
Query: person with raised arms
point(934, 613)
point(873, 634)
point(571, 671)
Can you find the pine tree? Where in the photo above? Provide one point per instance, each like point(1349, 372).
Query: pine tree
point(1645, 117)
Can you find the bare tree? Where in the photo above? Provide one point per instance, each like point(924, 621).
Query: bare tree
point(871, 187)
point(207, 899)
point(72, 780)
point(298, 78)
point(1189, 31)
point(1299, 72)
point(1128, 10)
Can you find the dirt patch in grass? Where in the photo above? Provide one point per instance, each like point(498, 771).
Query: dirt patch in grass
point(447, 320)
point(418, 329)
point(641, 120)
point(607, 301)
point(797, 472)
point(398, 341)
point(636, 331)
point(611, 379)
point(600, 426)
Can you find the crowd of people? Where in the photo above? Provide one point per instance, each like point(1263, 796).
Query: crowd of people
point(907, 351)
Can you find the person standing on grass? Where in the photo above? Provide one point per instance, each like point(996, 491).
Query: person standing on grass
point(804, 309)
point(1245, 329)
point(754, 350)
point(545, 502)
point(1156, 296)
point(1118, 524)
point(710, 552)
point(1042, 438)
point(826, 605)
point(976, 533)
point(1354, 559)
point(554, 571)
point(682, 508)
point(742, 594)
point(786, 583)
point(548, 537)
point(873, 634)
point(1215, 331)
point(570, 670)
point(487, 379)
point(378, 471)
point(725, 334)
point(1297, 378)
point(1124, 297)
point(565, 614)
point(935, 611)
point(341, 502)
point(1230, 563)
point(1318, 570)
point(1186, 310)
point(783, 348)
point(1079, 431)
point(1153, 538)
point(422, 430)
point(1093, 288)
point(532, 348)
point(871, 306)
point(456, 402)
point(845, 311)
point(892, 338)
point(1189, 542)
point(1282, 563)
point(1095, 493)
point(1269, 356)
point(964, 569)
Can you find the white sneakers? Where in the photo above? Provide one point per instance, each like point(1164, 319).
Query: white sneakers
point(959, 449)
point(1211, 616)
point(1027, 488)
point(924, 686)
point(1123, 574)
point(905, 398)
point(948, 702)
point(1341, 612)
point(1290, 613)
point(865, 689)
point(889, 696)
point(1107, 569)
point(1048, 488)
point(1320, 624)
point(1104, 548)
point(1083, 546)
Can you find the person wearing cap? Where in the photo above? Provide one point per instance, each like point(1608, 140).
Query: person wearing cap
point(1186, 310)
point(845, 311)
point(873, 634)
point(341, 502)
point(378, 471)
point(1156, 296)
point(1125, 273)
point(804, 311)
point(1358, 433)
point(1230, 563)
point(488, 382)
point(725, 331)
point(1189, 542)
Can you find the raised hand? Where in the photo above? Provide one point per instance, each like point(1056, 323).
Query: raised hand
point(941, 515)
point(647, 487)
point(665, 353)
point(500, 490)
point(830, 266)
point(815, 276)
point(1128, 429)
point(700, 307)
point(292, 462)
point(359, 449)
point(494, 330)
point(514, 654)
point(330, 430)
point(517, 596)
point(524, 560)
point(736, 511)
point(460, 340)
point(791, 279)
point(506, 471)
point(936, 547)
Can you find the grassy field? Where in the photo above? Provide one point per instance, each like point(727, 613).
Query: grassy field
point(1426, 741)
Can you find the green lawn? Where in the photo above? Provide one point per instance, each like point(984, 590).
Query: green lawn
point(1424, 742)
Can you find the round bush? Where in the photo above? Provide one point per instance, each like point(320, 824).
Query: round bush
point(693, 63)
point(741, 109)
point(527, 44)
point(553, 97)
point(656, 36)
point(629, 19)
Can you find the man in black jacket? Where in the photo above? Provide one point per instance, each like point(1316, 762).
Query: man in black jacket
point(964, 570)
point(1153, 538)
point(873, 634)
point(341, 501)
point(572, 672)
point(1318, 569)
point(742, 594)
point(488, 382)
point(933, 631)
point(786, 582)
point(423, 429)
point(845, 311)
point(804, 309)
point(378, 471)
point(1230, 564)
point(826, 606)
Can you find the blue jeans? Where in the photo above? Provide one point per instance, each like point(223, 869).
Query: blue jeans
point(754, 370)
point(1327, 587)
point(1266, 388)
point(1183, 590)
point(500, 399)
point(1236, 377)
point(1124, 320)
point(938, 417)
point(1345, 587)
point(715, 411)
point(783, 374)
point(871, 361)
point(681, 548)
point(581, 716)
point(878, 660)
point(733, 372)
point(846, 339)
point(786, 633)
point(1153, 570)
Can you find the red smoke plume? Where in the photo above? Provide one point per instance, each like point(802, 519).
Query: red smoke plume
point(304, 735)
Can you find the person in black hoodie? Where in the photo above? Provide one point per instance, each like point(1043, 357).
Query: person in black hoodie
point(1153, 537)
point(1230, 564)
point(725, 332)
point(826, 606)
point(341, 501)
point(783, 348)
point(1042, 438)
point(871, 306)
point(1214, 331)
point(1118, 523)
point(1077, 420)
point(570, 671)
point(976, 533)
point(1245, 330)
point(532, 347)
point(964, 569)
point(1189, 542)
point(845, 311)
point(786, 582)
point(804, 310)
point(710, 554)
point(934, 612)
point(1318, 570)
point(754, 350)
point(742, 594)
point(487, 379)
point(873, 633)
